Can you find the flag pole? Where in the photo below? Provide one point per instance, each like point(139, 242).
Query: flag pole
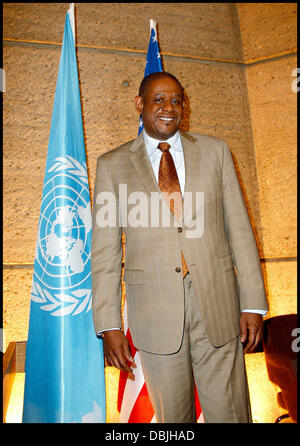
point(152, 25)
point(72, 19)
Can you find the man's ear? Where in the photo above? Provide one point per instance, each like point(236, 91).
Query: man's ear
point(139, 103)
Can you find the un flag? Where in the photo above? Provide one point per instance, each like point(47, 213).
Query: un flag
point(64, 381)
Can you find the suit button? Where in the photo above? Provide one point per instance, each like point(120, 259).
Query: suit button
point(179, 229)
point(177, 269)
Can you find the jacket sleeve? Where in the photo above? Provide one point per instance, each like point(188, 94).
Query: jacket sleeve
point(249, 278)
point(106, 252)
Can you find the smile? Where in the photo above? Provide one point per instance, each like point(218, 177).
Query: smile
point(166, 119)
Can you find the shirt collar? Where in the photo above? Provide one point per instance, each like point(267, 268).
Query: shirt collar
point(152, 143)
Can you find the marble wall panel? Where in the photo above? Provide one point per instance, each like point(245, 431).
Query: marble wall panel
point(267, 29)
point(273, 105)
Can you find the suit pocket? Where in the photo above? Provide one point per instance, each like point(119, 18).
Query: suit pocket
point(227, 262)
point(134, 276)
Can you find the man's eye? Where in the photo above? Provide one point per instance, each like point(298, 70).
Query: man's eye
point(158, 100)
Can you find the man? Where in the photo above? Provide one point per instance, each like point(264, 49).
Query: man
point(195, 298)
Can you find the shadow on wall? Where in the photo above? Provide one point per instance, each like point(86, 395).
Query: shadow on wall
point(185, 124)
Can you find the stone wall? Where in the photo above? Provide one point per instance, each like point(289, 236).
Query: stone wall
point(268, 34)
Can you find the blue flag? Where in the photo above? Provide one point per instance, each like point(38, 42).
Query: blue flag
point(64, 381)
point(153, 62)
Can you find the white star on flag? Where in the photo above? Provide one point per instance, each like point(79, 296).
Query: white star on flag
point(158, 55)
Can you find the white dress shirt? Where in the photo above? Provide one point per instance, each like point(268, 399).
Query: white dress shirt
point(176, 150)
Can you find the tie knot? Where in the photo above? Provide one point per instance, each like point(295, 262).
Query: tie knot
point(163, 146)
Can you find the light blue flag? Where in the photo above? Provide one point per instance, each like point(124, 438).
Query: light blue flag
point(64, 368)
point(153, 61)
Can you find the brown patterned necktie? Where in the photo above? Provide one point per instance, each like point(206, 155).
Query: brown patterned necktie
point(168, 182)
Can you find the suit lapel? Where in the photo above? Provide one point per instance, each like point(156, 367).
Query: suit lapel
point(192, 158)
point(144, 171)
point(142, 165)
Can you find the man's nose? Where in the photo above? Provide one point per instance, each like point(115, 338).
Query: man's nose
point(167, 105)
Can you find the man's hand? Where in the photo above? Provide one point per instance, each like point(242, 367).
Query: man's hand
point(251, 325)
point(117, 350)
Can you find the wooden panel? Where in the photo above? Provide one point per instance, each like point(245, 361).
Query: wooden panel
point(9, 371)
point(20, 356)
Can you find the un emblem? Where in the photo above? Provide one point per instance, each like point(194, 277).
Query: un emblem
point(62, 257)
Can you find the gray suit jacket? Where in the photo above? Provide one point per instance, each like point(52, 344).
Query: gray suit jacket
point(223, 259)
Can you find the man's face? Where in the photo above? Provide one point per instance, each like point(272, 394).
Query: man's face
point(161, 108)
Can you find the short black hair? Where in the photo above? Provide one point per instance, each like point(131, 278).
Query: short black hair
point(158, 75)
